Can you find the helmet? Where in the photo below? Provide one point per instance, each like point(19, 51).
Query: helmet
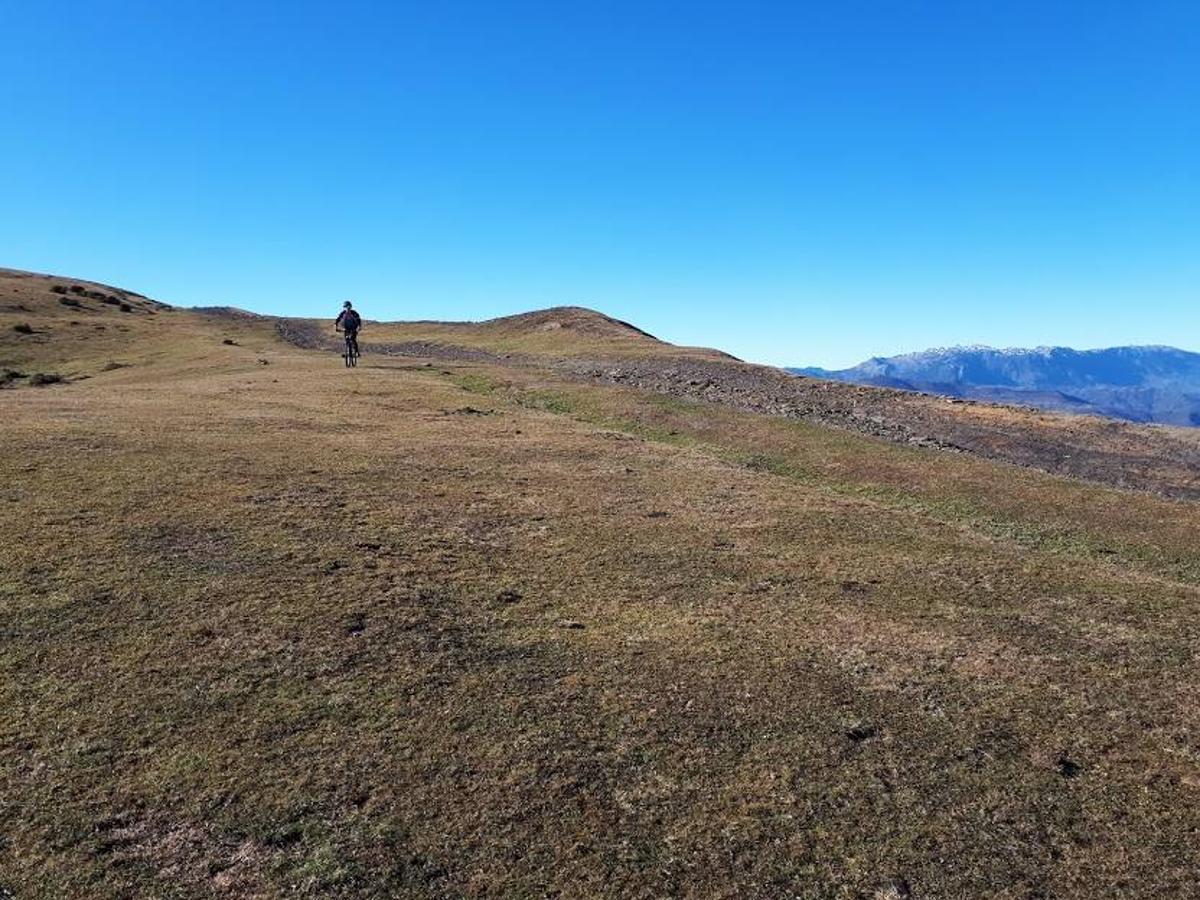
point(346, 305)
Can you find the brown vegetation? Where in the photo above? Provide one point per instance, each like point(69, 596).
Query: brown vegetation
point(461, 627)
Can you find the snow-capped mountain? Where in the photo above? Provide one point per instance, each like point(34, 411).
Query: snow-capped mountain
point(1141, 384)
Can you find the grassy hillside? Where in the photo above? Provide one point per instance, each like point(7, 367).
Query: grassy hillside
point(563, 331)
point(75, 330)
point(270, 627)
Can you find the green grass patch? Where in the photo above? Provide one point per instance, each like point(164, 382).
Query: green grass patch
point(548, 401)
point(583, 407)
point(475, 383)
point(646, 431)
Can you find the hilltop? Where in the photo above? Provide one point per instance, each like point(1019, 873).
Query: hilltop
point(563, 331)
point(545, 606)
point(1141, 384)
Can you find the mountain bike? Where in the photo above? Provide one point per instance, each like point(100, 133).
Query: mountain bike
point(350, 354)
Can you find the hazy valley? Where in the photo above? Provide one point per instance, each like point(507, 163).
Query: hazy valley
point(1140, 384)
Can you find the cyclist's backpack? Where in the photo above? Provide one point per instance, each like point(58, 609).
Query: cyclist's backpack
point(352, 321)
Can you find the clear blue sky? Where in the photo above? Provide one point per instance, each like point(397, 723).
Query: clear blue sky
point(794, 182)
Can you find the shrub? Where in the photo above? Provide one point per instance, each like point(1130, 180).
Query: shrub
point(97, 295)
point(68, 301)
point(111, 366)
point(9, 375)
point(229, 342)
point(23, 328)
point(112, 301)
point(40, 379)
point(125, 307)
point(58, 289)
point(77, 289)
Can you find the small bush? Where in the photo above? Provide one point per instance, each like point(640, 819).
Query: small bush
point(9, 375)
point(112, 366)
point(68, 301)
point(112, 301)
point(97, 295)
point(40, 379)
point(77, 289)
point(23, 328)
point(125, 307)
point(58, 289)
point(230, 343)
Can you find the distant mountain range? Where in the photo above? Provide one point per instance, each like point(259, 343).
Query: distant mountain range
point(1140, 384)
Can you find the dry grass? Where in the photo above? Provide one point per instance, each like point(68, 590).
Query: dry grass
point(561, 331)
point(450, 630)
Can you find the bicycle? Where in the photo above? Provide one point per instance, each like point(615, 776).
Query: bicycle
point(350, 354)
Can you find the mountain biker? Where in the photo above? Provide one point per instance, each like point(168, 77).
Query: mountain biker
point(349, 321)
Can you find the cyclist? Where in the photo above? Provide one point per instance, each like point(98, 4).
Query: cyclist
point(349, 321)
